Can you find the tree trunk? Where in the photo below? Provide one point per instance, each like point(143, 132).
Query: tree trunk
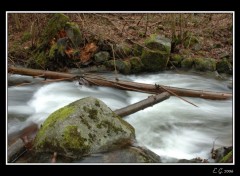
point(125, 85)
point(150, 101)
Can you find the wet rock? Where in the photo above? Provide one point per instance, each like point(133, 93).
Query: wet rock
point(81, 128)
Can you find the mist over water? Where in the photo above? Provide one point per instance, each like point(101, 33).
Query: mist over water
point(172, 128)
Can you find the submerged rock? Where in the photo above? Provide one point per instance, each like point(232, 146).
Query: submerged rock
point(83, 127)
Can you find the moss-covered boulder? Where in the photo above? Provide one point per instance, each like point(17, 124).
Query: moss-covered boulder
point(205, 64)
point(154, 60)
point(187, 63)
point(136, 65)
point(101, 57)
point(121, 66)
point(83, 127)
point(223, 66)
point(156, 42)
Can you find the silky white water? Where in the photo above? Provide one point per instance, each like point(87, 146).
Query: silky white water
point(172, 128)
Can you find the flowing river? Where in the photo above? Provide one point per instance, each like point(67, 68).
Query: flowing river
point(171, 129)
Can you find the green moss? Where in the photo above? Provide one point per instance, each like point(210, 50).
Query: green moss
point(137, 50)
point(227, 158)
point(205, 64)
point(176, 59)
point(130, 127)
point(187, 63)
point(110, 127)
point(55, 24)
point(55, 117)
point(156, 42)
point(40, 59)
point(74, 34)
point(97, 103)
point(92, 137)
point(74, 142)
point(85, 122)
point(224, 66)
point(122, 66)
point(136, 65)
point(26, 37)
point(154, 60)
point(93, 114)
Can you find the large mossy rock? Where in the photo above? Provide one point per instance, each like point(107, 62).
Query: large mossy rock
point(83, 127)
point(154, 60)
point(156, 42)
point(205, 64)
point(224, 66)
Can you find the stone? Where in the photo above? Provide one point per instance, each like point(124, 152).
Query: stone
point(223, 66)
point(187, 63)
point(101, 57)
point(131, 154)
point(136, 65)
point(205, 64)
point(74, 34)
point(156, 42)
point(81, 128)
point(154, 60)
point(121, 66)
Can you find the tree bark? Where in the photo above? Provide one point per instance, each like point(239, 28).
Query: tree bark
point(125, 85)
point(150, 101)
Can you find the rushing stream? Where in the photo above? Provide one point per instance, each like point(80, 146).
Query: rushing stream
point(172, 128)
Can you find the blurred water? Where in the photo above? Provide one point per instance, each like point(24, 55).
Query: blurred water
point(172, 128)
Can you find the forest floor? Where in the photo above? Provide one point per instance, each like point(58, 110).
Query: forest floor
point(214, 31)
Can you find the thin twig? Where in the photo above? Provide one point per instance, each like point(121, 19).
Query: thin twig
point(178, 96)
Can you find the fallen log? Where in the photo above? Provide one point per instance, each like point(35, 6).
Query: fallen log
point(125, 85)
point(150, 101)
